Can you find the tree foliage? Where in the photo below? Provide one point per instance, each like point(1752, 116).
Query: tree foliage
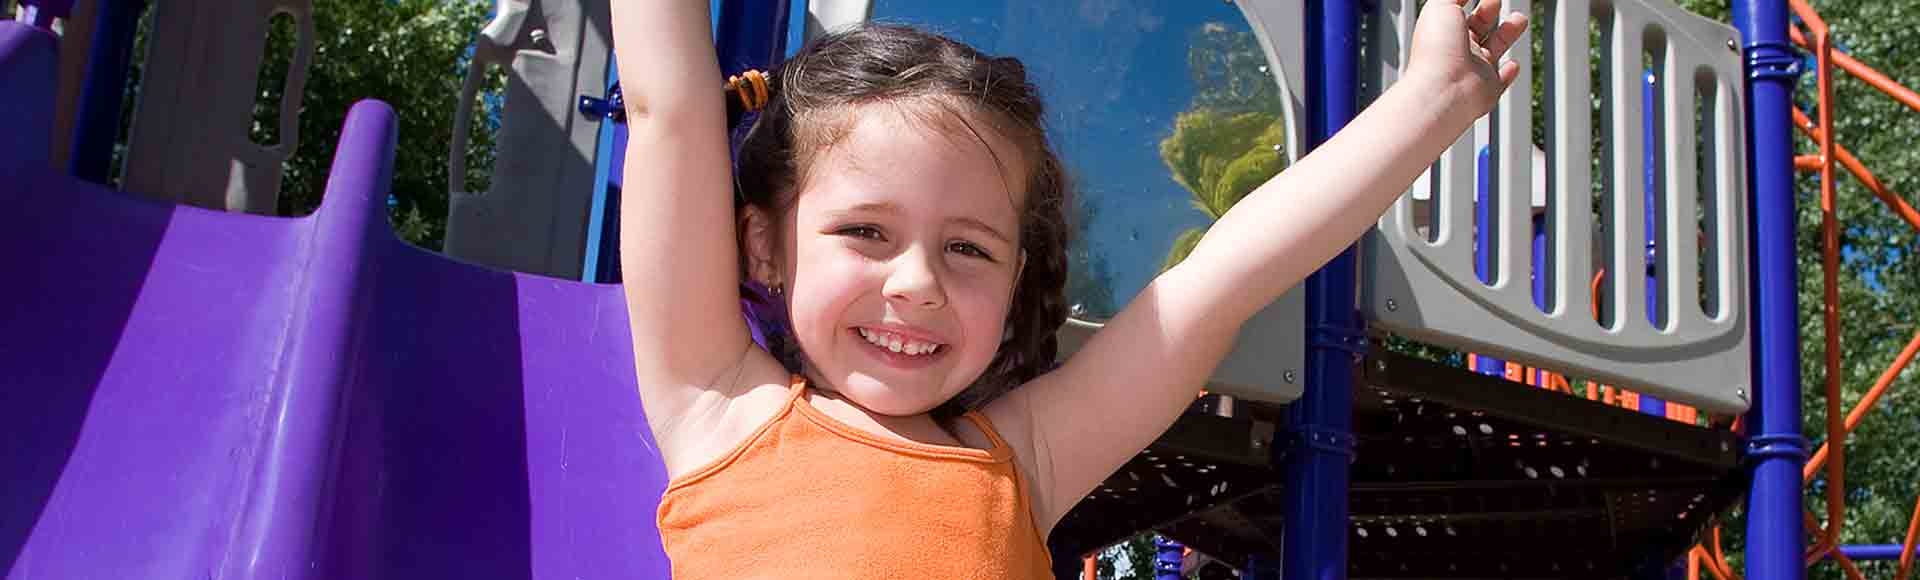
point(1232, 138)
point(1879, 280)
point(412, 55)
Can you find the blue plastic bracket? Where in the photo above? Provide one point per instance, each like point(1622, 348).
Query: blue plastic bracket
point(1773, 60)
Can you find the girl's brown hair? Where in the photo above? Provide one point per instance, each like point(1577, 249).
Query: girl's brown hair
point(946, 83)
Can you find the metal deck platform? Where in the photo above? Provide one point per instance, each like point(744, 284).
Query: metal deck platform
point(1457, 475)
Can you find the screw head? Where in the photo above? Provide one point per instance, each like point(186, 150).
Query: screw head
point(1287, 376)
point(1392, 305)
point(1733, 45)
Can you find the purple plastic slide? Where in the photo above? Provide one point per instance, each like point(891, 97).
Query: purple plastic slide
point(190, 394)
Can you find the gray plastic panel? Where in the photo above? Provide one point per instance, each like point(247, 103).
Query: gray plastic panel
point(189, 140)
point(1267, 361)
point(533, 218)
point(1429, 290)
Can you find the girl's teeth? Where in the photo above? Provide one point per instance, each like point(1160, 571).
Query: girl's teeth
point(894, 343)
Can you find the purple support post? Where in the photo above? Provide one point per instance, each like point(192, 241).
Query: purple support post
point(1775, 538)
point(1650, 124)
point(1168, 556)
point(97, 124)
point(1483, 227)
point(1871, 551)
point(1317, 458)
point(748, 34)
point(41, 13)
point(751, 33)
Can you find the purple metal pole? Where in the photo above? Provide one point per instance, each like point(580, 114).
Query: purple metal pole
point(97, 124)
point(751, 33)
point(41, 13)
point(1167, 558)
point(1870, 551)
point(1775, 539)
point(1483, 216)
point(1649, 95)
point(1317, 459)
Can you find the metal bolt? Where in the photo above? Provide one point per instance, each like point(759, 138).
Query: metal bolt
point(1380, 365)
point(1392, 306)
point(1733, 45)
point(1742, 393)
point(1287, 376)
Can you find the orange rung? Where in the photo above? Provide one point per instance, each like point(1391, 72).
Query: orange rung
point(1806, 163)
point(1906, 548)
point(1867, 74)
point(1880, 190)
point(1822, 46)
point(1866, 403)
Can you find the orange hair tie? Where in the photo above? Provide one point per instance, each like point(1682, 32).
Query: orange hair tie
point(751, 87)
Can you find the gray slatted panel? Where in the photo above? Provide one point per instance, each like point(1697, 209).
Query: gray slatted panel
point(533, 217)
point(1428, 290)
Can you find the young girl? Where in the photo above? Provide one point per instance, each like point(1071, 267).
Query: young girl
point(902, 207)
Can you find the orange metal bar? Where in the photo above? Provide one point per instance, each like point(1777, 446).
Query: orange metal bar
point(1089, 568)
point(1867, 401)
point(1867, 74)
point(1906, 549)
point(1806, 163)
point(1822, 42)
point(1698, 556)
point(1887, 196)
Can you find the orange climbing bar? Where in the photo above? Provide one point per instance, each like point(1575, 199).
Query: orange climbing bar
point(1880, 190)
point(1874, 78)
point(1822, 44)
point(1906, 548)
point(1867, 401)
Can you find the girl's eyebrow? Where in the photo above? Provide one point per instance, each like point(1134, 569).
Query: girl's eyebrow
point(890, 208)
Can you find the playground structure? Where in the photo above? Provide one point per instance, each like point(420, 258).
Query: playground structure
point(204, 393)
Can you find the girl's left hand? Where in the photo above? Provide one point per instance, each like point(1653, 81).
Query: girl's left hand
point(1460, 50)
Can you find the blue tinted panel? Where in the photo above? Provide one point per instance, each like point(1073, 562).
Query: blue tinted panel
point(1117, 76)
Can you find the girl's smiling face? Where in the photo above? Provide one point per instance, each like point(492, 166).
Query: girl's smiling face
point(899, 256)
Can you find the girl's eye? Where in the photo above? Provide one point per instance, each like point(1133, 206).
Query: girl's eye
point(862, 232)
point(968, 249)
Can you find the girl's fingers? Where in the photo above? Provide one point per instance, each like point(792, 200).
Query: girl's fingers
point(1504, 36)
point(1509, 70)
point(1481, 22)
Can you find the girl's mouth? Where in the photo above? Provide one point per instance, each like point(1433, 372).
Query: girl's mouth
point(897, 344)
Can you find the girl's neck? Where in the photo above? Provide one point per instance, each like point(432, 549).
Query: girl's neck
point(920, 428)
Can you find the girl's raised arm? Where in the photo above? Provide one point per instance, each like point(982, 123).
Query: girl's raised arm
point(678, 253)
point(1133, 378)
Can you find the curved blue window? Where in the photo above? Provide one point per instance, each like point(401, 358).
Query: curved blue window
point(1165, 114)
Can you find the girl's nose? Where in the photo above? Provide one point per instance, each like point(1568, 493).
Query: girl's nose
point(915, 281)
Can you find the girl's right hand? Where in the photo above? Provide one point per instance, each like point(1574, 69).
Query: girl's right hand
point(1457, 53)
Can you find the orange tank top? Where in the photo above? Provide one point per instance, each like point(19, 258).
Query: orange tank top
point(807, 496)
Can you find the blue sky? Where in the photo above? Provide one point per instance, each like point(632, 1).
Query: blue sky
point(1114, 74)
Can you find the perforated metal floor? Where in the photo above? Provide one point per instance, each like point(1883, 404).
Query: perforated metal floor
point(1457, 475)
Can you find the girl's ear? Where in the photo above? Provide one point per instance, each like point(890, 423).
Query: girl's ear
point(756, 244)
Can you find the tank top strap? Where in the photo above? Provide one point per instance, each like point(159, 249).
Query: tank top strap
point(986, 428)
point(796, 388)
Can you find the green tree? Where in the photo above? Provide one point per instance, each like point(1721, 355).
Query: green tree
point(1879, 279)
point(410, 54)
point(1232, 138)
